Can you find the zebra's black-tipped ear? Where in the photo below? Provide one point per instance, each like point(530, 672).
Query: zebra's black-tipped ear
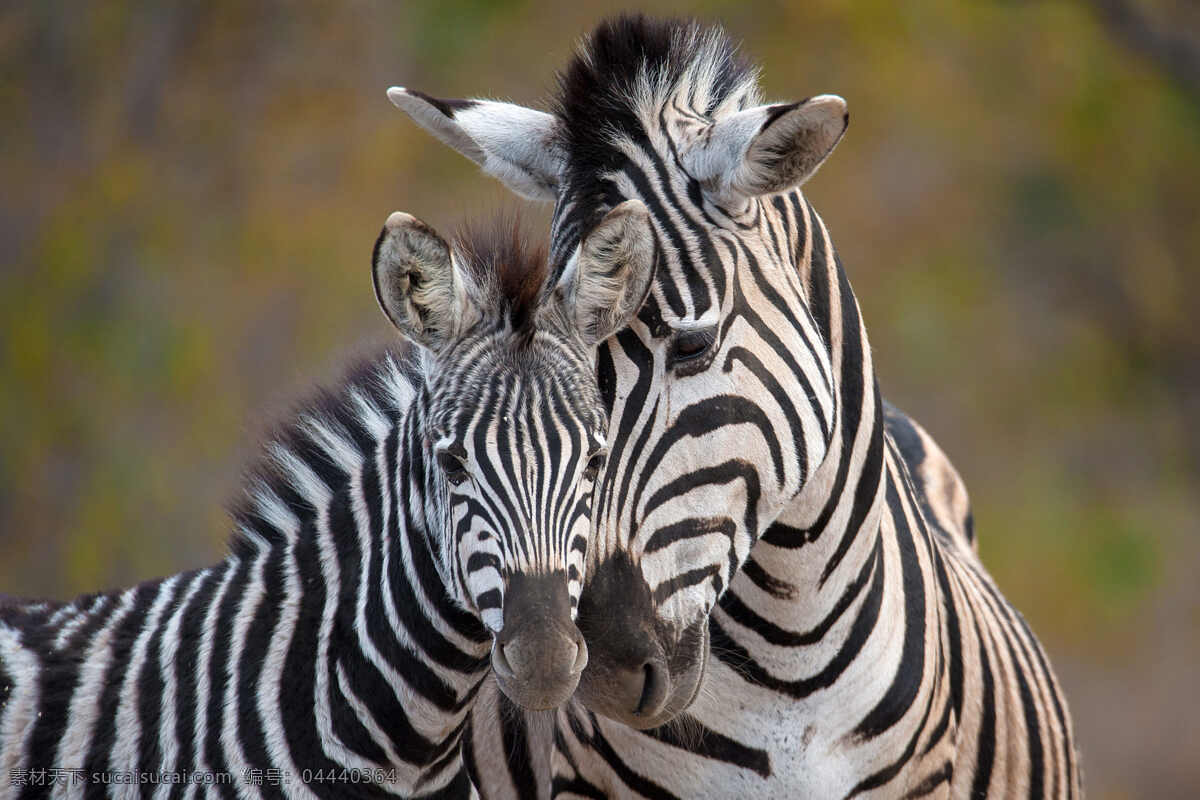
point(417, 283)
point(512, 143)
point(611, 275)
point(767, 149)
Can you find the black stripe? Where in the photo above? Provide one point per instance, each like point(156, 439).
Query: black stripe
point(297, 693)
point(515, 736)
point(255, 644)
point(463, 623)
point(59, 679)
point(635, 781)
point(187, 666)
point(864, 492)
point(1033, 737)
point(221, 642)
point(448, 108)
point(744, 308)
point(662, 280)
point(725, 648)
point(677, 583)
point(767, 582)
point(104, 731)
point(953, 633)
point(150, 682)
point(819, 297)
point(892, 770)
point(985, 752)
point(903, 690)
point(713, 745)
point(739, 612)
point(943, 774)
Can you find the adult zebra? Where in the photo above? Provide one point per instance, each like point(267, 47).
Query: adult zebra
point(822, 628)
point(433, 510)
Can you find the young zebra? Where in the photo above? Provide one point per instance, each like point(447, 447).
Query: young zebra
point(818, 622)
point(430, 512)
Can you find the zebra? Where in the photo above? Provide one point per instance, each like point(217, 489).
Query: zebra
point(406, 535)
point(802, 609)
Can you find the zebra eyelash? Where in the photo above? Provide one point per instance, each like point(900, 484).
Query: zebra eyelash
point(452, 460)
point(594, 464)
point(690, 349)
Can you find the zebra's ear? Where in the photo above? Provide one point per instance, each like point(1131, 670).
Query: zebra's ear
point(767, 149)
point(512, 143)
point(610, 277)
point(417, 283)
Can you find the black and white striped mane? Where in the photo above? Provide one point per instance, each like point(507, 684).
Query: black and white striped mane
point(387, 380)
point(625, 70)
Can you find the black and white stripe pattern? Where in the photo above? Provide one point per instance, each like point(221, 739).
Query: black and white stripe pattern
point(758, 518)
point(367, 582)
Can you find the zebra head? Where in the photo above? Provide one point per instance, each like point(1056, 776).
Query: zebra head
point(721, 391)
point(512, 423)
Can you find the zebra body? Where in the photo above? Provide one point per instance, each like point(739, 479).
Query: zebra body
point(420, 528)
point(253, 663)
point(804, 609)
point(811, 693)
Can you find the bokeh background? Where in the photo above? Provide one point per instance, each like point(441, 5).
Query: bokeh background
point(191, 191)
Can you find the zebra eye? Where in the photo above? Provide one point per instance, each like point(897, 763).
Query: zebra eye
point(453, 465)
point(692, 344)
point(593, 465)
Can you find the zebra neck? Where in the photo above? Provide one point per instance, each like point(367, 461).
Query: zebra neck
point(396, 661)
point(432, 651)
point(827, 539)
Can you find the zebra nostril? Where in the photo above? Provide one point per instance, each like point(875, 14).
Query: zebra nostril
point(581, 656)
point(654, 689)
point(647, 688)
point(500, 662)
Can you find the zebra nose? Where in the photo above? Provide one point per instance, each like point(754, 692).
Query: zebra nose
point(526, 656)
point(539, 654)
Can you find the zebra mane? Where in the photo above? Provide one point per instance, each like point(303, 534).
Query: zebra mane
point(502, 258)
point(627, 68)
point(311, 451)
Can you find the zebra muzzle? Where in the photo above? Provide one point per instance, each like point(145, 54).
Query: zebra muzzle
point(540, 654)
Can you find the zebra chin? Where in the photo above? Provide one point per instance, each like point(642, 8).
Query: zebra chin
point(539, 654)
point(643, 671)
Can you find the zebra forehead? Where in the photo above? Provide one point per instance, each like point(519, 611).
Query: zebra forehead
point(626, 69)
point(510, 403)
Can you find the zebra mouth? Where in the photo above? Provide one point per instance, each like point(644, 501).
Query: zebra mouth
point(644, 669)
point(653, 689)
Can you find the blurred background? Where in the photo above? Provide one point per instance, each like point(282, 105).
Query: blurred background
point(192, 190)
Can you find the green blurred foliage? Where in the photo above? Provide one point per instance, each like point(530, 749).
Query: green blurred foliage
point(192, 191)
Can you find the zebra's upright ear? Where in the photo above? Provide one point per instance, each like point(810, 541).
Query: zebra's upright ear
point(512, 143)
point(417, 283)
point(767, 149)
point(608, 281)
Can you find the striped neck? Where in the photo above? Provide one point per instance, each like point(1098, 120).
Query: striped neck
point(406, 660)
point(827, 538)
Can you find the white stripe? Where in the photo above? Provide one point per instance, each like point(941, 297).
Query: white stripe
point(168, 742)
point(19, 707)
point(85, 702)
point(128, 726)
